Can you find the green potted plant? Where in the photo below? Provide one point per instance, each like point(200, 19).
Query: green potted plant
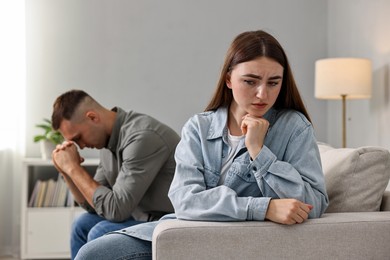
point(49, 139)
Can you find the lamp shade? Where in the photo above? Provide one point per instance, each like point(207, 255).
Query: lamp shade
point(336, 77)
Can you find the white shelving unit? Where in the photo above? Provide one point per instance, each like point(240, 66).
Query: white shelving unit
point(45, 231)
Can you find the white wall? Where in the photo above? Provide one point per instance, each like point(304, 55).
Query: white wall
point(158, 57)
point(361, 28)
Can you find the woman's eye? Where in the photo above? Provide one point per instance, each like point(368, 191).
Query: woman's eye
point(249, 82)
point(273, 83)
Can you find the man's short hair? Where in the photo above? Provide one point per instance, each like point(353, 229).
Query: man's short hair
point(65, 106)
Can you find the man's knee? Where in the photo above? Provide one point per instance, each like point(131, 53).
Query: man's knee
point(84, 223)
point(78, 225)
point(97, 231)
point(116, 246)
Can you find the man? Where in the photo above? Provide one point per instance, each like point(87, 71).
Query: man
point(136, 167)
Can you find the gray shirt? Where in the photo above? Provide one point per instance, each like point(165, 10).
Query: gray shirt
point(136, 169)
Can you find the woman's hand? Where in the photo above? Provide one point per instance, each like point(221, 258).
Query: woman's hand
point(288, 211)
point(255, 129)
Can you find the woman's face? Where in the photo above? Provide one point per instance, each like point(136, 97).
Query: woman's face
point(255, 85)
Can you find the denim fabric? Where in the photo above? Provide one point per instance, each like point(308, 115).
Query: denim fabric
point(288, 166)
point(114, 247)
point(88, 227)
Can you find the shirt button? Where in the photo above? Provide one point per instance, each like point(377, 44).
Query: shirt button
point(248, 175)
point(254, 168)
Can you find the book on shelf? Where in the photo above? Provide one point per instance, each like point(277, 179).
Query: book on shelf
point(34, 194)
point(69, 199)
point(50, 193)
point(51, 185)
point(61, 199)
point(41, 194)
point(56, 192)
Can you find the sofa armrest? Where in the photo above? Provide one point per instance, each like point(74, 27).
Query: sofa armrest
point(356, 235)
point(385, 205)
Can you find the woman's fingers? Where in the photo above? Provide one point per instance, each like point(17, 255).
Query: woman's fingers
point(288, 211)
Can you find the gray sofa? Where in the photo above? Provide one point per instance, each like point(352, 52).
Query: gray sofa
point(355, 226)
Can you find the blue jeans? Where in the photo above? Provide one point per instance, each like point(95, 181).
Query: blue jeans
point(116, 246)
point(88, 227)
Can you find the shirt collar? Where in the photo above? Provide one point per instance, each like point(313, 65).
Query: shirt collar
point(271, 116)
point(218, 126)
point(114, 137)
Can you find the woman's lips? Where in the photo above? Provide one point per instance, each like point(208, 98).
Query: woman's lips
point(260, 105)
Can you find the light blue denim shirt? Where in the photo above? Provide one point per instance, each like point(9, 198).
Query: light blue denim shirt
point(288, 166)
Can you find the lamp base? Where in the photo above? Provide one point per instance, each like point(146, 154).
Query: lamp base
point(344, 125)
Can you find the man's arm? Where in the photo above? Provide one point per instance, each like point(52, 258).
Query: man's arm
point(67, 161)
point(142, 158)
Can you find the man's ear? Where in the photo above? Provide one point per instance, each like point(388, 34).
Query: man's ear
point(93, 116)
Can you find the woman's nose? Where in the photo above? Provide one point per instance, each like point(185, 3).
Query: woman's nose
point(261, 92)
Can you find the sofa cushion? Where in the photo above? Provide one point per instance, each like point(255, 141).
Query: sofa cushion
point(355, 178)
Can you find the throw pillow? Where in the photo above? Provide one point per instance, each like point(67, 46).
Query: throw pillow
point(355, 178)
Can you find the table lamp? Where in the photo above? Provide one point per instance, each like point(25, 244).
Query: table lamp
point(343, 78)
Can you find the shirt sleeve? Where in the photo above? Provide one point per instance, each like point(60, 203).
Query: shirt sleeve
point(100, 178)
point(299, 175)
point(143, 156)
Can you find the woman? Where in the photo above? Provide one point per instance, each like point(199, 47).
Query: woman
point(251, 156)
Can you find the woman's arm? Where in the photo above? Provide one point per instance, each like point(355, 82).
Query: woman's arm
point(298, 181)
point(295, 173)
point(189, 193)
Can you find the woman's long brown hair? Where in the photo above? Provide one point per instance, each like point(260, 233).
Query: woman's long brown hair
point(248, 46)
